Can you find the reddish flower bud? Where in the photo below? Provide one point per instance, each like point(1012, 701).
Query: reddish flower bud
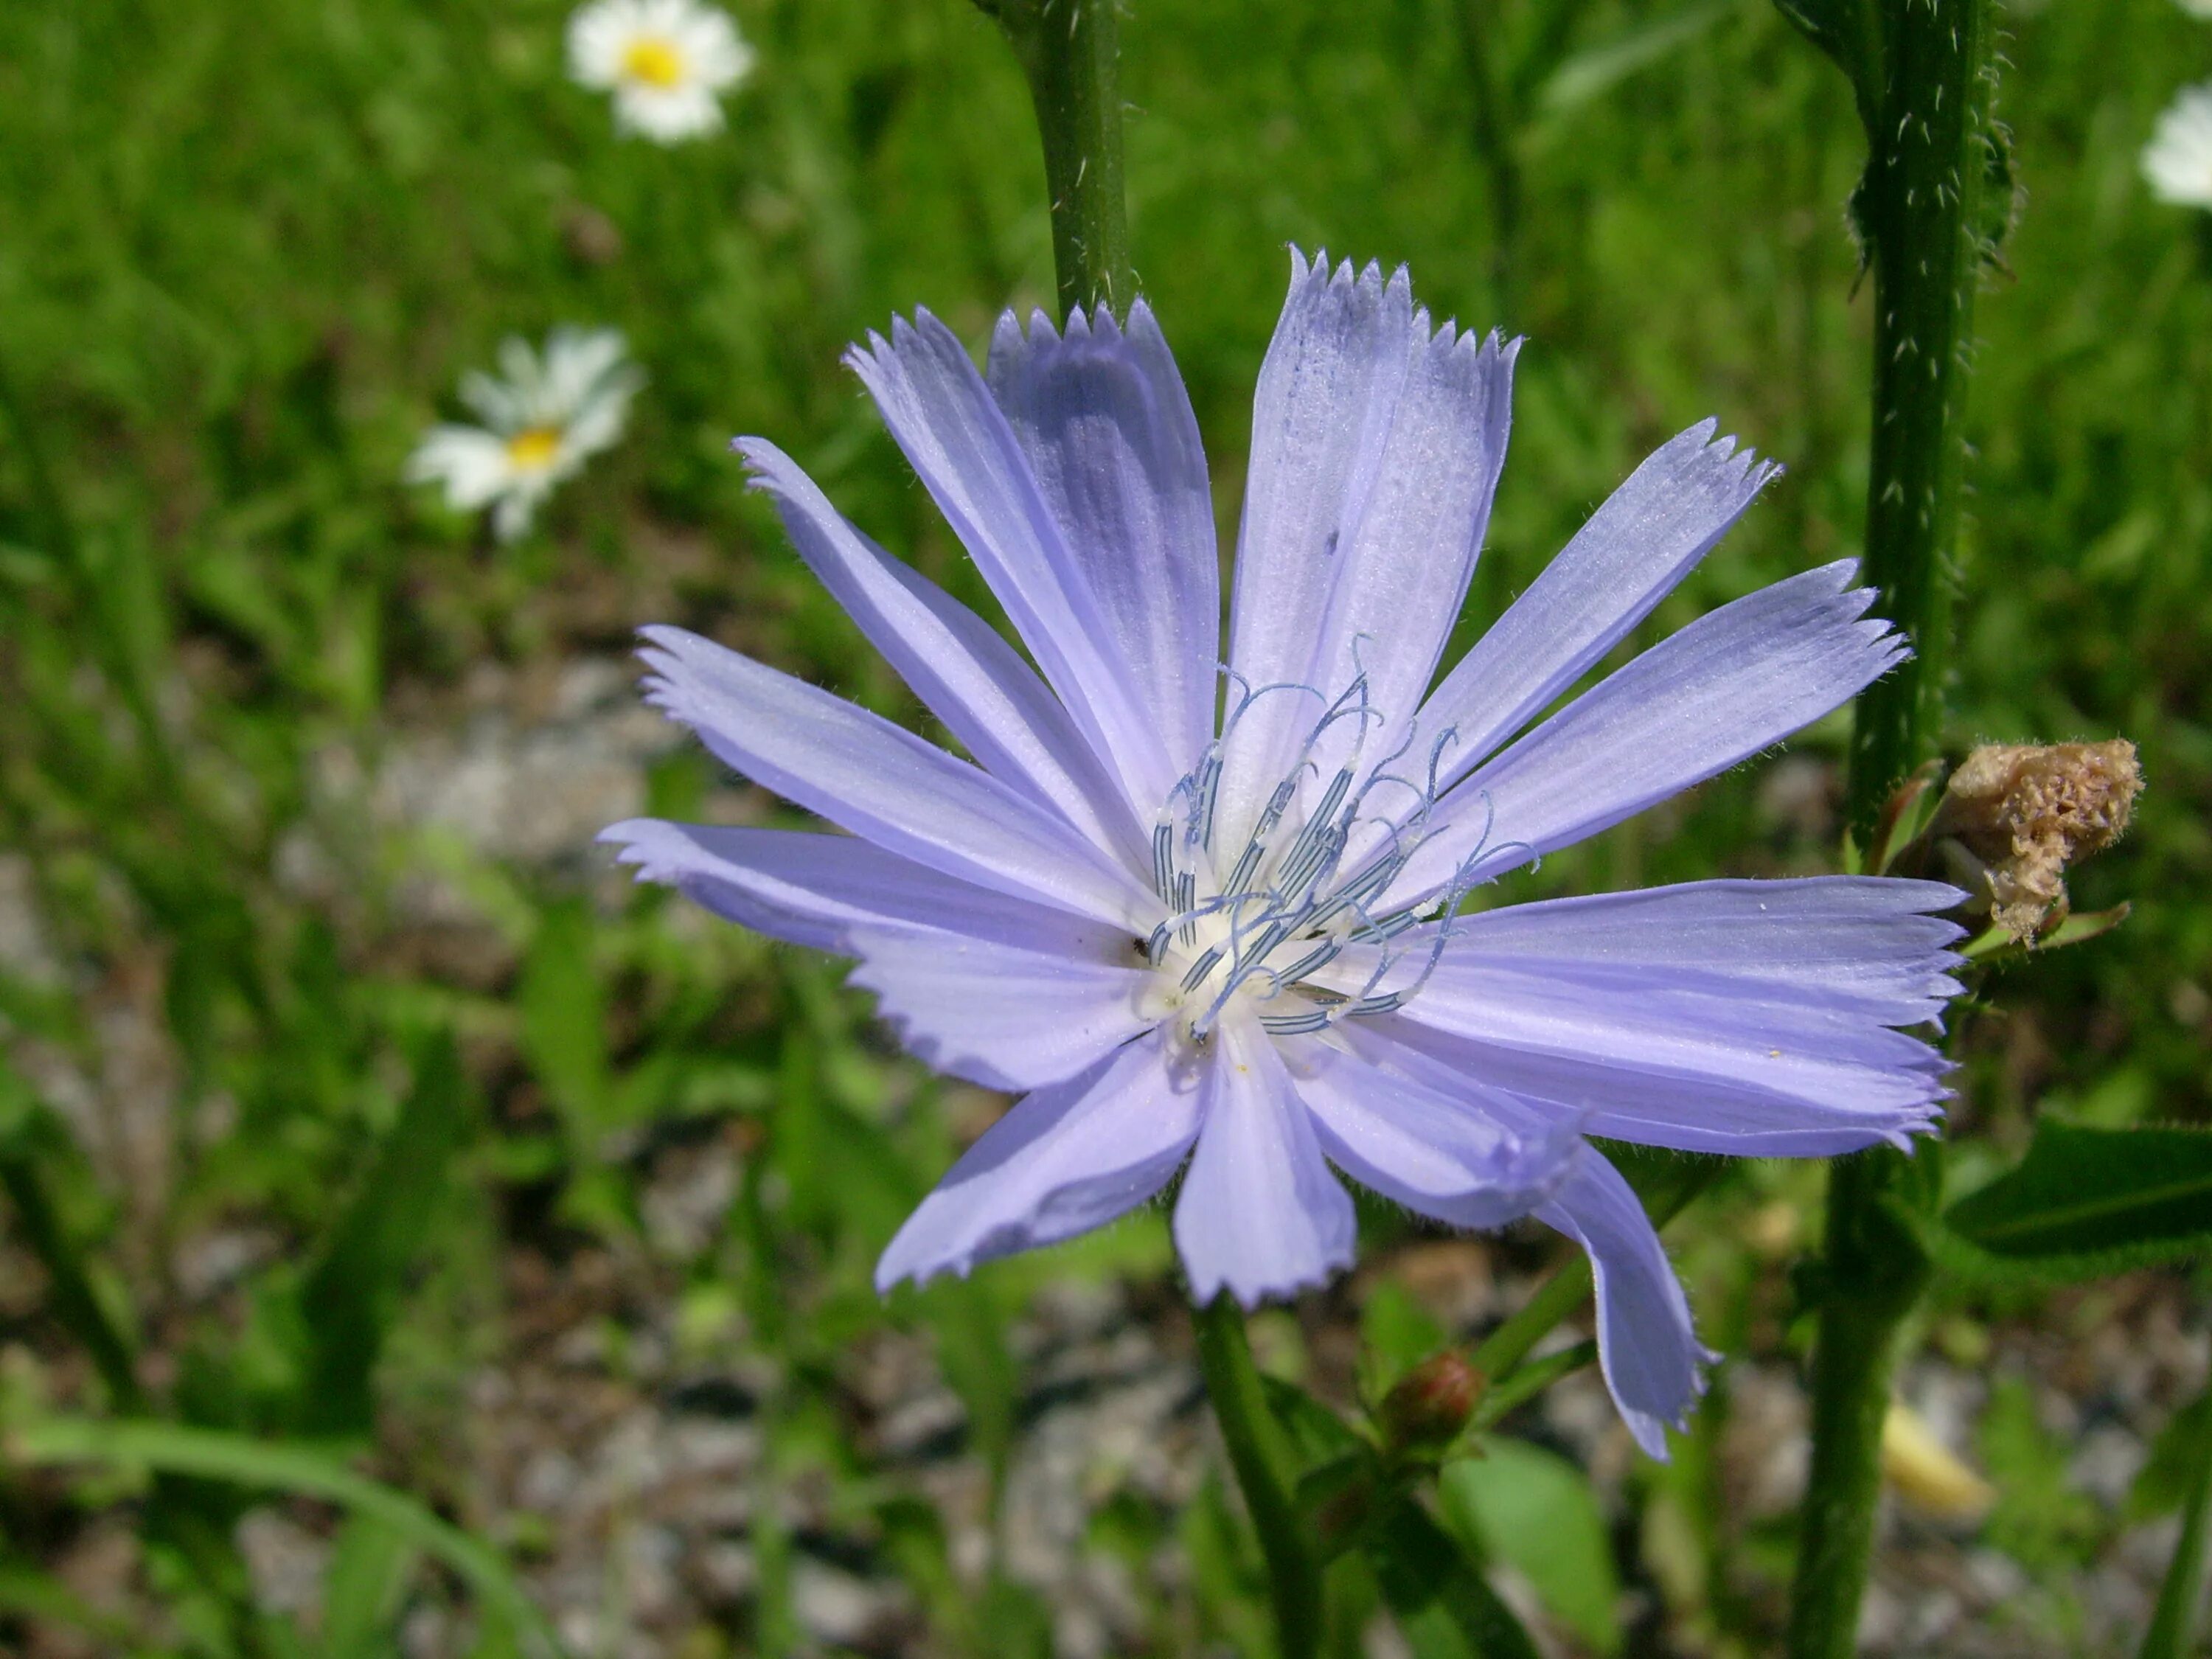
point(1431, 1403)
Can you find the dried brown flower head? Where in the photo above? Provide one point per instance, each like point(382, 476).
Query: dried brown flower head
point(2016, 815)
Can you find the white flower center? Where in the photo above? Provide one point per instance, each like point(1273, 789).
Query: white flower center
point(1247, 928)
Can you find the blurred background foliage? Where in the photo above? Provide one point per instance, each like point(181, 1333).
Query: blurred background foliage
point(299, 770)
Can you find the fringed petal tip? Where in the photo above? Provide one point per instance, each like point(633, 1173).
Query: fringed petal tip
point(1907, 1137)
point(1084, 325)
point(1721, 466)
point(672, 657)
point(1252, 1293)
point(1494, 347)
point(1649, 1432)
point(891, 1275)
point(876, 354)
point(638, 843)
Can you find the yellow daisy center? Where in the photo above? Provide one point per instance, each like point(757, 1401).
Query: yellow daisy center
point(654, 61)
point(532, 449)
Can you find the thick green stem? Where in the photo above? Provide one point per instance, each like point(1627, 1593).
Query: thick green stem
point(1069, 50)
point(1920, 206)
point(2174, 1624)
point(1266, 1473)
point(1873, 1273)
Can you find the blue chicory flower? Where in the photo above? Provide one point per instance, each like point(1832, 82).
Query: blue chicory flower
point(1236, 945)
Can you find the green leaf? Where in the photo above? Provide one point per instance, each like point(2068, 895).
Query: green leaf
point(2086, 1202)
point(350, 1295)
point(565, 1025)
point(1317, 1435)
point(2162, 1486)
point(1535, 1510)
point(1994, 944)
point(363, 1587)
point(1444, 1606)
point(1849, 31)
point(208, 1454)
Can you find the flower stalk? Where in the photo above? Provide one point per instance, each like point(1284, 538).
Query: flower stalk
point(1266, 1473)
point(1921, 207)
point(1069, 50)
point(2174, 1620)
point(1923, 70)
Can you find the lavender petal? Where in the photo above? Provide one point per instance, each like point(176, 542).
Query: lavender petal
point(1376, 443)
point(1062, 1161)
point(1440, 1156)
point(1647, 1348)
point(1004, 1017)
point(1646, 537)
point(943, 417)
point(881, 782)
point(1260, 1214)
point(1863, 945)
point(1716, 692)
point(1661, 1073)
point(957, 664)
point(812, 888)
point(1102, 414)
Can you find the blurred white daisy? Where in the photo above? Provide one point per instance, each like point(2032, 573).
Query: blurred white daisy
point(2200, 9)
point(542, 417)
point(666, 62)
point(2178, 161)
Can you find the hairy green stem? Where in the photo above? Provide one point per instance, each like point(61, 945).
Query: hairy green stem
point(1921, 207)
point(1266, 1471)
point(1069, 50)
point(1873, 1273)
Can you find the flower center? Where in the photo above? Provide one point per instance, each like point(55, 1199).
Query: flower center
point(654, 61)
point(1251, 926)
point(532, 449)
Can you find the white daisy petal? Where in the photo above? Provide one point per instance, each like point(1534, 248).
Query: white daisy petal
point(543, 416)
point(666, 62)
point(2178, 161)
